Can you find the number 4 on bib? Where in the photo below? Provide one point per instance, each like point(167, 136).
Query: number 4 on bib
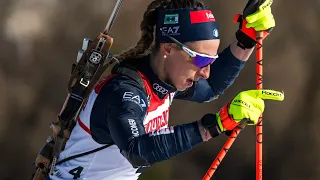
point(76, 172)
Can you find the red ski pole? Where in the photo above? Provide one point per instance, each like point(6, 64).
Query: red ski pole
point(259, 83)
point(237, 130)
point(223, 152)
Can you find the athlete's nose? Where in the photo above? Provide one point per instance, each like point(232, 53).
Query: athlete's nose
point(205, 72)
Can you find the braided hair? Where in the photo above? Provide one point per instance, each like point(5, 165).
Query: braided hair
point(149, 21)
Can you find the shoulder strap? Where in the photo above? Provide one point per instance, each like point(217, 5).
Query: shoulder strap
point(85, 153)
point(117, 69)
point(131, 72)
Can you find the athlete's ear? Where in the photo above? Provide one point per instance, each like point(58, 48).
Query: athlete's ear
point(166, 48)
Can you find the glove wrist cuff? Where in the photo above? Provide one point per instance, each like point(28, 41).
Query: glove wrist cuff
point(225, 120)
point(220, 125)
point(244, 41)
point(209, 121)
point(247, 36)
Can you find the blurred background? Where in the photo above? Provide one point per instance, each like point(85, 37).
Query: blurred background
point(39, 41)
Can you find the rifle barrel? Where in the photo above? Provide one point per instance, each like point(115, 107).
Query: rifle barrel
point(113, 16)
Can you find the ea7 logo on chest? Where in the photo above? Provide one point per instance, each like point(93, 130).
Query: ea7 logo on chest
point(129, 96)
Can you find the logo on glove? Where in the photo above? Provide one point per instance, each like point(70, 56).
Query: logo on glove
point(266, 4)
point(242, 102)
point(271, 93)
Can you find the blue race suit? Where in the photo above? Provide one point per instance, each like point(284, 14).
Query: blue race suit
point(135, 120)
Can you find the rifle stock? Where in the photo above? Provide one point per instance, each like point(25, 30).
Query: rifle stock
point(85, 74)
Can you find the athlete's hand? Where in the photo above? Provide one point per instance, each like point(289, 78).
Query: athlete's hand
point(257, 16)
point(246, 107)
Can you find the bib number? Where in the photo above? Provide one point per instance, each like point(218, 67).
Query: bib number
point(76, 172)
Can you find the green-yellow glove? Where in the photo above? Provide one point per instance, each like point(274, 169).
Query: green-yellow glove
point(257, 16)
point(246, 107)
point(261, 19)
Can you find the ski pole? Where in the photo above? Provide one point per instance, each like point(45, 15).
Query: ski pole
point(223, 152)
point(238, 129)
point(259, 83)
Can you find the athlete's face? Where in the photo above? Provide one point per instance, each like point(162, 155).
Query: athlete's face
point(180, 68)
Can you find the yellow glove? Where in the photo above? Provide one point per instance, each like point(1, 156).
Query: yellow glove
point(257, 16)
point(246, 107)
point(262, 19)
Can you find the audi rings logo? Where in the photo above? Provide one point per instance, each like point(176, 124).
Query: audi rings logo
point(159, 88)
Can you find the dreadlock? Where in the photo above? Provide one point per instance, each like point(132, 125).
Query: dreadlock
point(149, 21)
